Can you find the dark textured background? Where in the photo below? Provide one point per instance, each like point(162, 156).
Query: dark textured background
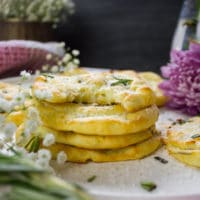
point(122, 33)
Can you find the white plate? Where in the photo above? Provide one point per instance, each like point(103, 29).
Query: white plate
point(121, 180)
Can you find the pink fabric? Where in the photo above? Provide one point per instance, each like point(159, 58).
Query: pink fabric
point(17, 55)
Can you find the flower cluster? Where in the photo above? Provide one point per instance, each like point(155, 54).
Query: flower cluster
point(37, 10)
point(183, 80)
point(43, 156)
point(68, 62)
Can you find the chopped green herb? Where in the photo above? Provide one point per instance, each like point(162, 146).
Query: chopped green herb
point(5, 91)
point(30, 96)
point(23, 134)
point(179, 121)
point(18, 98)
point(91, 179)
point(48, 75)
point(33, 144)
point(121, 81)
point(195, 136)
point(190, 22)
point(149, 186)
point(162, 160)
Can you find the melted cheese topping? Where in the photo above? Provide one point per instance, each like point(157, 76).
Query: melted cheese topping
point(185, 135)
point(102, 88)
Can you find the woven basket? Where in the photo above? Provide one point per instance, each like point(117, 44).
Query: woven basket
point(27, 31)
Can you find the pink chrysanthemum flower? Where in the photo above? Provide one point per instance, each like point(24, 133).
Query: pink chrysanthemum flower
point(183, 79)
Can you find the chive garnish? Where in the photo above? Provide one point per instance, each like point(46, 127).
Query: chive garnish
point(162, 160)
point(48, 75)
point(121, 81)
point(91, 179)
point(33, 144)
point(149, 186)
point(18, 98)
point(195, 136)
point(179, 121)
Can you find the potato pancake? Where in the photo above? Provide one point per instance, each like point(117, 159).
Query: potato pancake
point(183, 141)
point(96, 120)
point(132, 152)
point(103, 88)
point(87, 141)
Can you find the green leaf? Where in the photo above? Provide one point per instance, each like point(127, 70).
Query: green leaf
point(31, 185)
point(48, 75)
point(149, 186)
point(33, 144)
point(91, 179)
point(121, 81)
point(195, 136)
point(162, 160)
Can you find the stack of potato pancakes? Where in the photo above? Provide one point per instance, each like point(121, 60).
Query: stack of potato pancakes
point(100, 117)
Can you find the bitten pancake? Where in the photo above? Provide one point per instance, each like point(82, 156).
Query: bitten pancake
point(153, 80)
point(183, 141)
point(93, 119)
point(87, 141)
point(133, 152)
point(103, 88)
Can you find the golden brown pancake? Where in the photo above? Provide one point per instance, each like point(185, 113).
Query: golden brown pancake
point(183, 141)
point(103, 88)
point(87, 141)
point(94, 119)
point(132, 152)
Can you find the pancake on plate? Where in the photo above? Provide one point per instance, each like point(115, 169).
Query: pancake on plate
point(125, 88)
point(131, 152)
point(183, 141)
point(87, 141)
point(93, 119)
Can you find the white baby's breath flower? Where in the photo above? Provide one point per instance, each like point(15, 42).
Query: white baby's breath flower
point(45, 68)
point(33, 113)
point(44, 154)
point(48, 140)
point(19, 99)
point(5, 105)
point(67, 58)
point(54, 69)
point(62, 44)
point(42, 163)
point(43, 94)
point(32, 156)
point(75, 52)
point(61, 157)
point(70, 66)
point(37, 72)
point(76, 61)
point(9, 130)
point(1, 144)
point(25, 75)
point(59, 63)
point(2, 120)
point(49, 56)
point(30, 126)
point(32, 122)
